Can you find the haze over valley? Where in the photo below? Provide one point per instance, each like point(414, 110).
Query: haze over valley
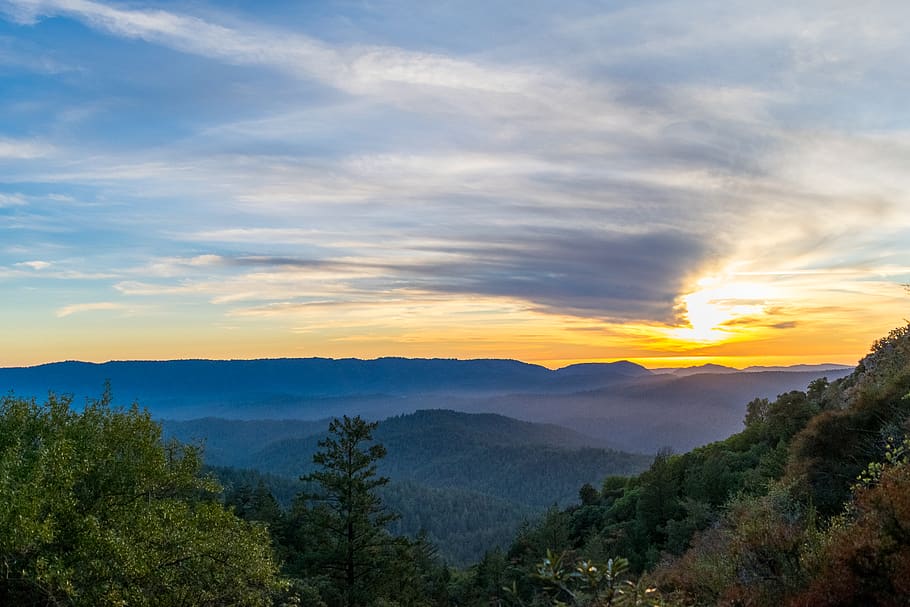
point(619, 404)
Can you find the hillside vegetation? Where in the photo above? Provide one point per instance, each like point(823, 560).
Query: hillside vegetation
point(808, 505)
point(96, 511)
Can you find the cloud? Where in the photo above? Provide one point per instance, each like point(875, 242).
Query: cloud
point(602, 274)
point(597, 172)
point(23, 149)
point(607, 275)
point(35, 265)
point(88, 307)
point(251, 235)
point(12, 200)
point(354, 69)
point(179, 266)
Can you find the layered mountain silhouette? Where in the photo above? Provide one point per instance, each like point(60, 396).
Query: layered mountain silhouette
point(622, 404)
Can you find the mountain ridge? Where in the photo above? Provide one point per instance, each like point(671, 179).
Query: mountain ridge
point(621, 403)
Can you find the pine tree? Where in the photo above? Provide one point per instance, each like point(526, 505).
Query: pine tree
point(347, 522)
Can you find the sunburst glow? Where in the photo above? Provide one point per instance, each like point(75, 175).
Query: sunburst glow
point(714, 310)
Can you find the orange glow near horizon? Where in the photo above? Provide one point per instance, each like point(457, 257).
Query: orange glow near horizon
point(363, 190)
point(724, 320)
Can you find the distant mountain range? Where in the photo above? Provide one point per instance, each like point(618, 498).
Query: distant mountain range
point(621, 404)
point(189, 383)
point(712, 368)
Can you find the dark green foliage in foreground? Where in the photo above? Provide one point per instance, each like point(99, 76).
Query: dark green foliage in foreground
point(96, 511)
point(808, 505)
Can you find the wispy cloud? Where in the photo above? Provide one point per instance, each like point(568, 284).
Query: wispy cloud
point(355, 69)
point(12, 200)
point(23, 149)
point(35, 265)
point(88, 307)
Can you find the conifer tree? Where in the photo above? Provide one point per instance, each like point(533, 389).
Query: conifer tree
point(347, 522)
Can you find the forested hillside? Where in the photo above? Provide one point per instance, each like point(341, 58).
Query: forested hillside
point(232, 442)
point(808, 505)
point(488, 472)
point(517, 461)
point(460, 523)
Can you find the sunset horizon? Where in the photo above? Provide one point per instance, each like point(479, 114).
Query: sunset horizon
point(650, 363)
point(670, 185)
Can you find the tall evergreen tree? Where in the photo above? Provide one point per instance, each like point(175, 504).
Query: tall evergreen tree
point(347, 521)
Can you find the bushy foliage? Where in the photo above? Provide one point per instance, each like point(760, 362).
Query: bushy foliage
point(96, 511)
point(808, 505)
point(836, 445)
point(588, 583)
point(833, 529)
point(752, 557)
point(864, 557)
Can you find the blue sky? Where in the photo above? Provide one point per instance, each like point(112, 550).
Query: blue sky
point(582, 181)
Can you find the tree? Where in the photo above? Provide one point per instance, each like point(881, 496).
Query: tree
point(95, 510)
point(348, 520)
point(255, 504)
point(588, 495)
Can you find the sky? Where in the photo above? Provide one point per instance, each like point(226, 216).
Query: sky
point(667, 182)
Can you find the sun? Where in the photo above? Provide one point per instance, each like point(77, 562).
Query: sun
point(721, 308)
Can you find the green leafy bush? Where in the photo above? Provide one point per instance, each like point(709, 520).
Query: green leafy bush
point(96, 511)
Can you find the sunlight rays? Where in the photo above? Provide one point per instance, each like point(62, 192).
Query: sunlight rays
point(714, 310)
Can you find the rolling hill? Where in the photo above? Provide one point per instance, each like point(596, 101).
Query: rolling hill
point(525, 463)
point(468, 480)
